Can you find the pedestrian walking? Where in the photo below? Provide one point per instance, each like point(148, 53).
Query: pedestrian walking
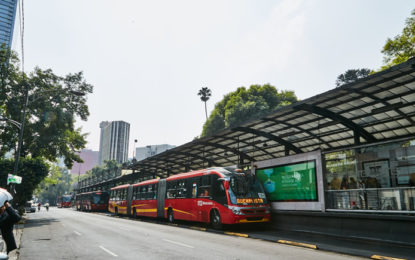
point(8, 217)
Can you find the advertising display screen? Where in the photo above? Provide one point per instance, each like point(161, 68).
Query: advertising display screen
point(292, 182)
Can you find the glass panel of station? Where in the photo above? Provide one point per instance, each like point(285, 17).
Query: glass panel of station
point(375, 178)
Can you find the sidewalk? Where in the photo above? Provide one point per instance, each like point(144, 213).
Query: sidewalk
point(18, 231)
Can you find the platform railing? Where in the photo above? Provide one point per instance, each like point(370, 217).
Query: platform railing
point(377, 199)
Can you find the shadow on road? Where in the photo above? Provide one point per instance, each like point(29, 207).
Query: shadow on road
point(31, 223)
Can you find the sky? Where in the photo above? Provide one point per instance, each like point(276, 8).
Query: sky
point(148, 59)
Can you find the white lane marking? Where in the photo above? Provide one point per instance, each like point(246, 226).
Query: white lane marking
point(106, 250)
point(178, 243)
point(76, 232)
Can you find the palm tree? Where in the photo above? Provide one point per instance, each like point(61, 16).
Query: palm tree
point(205, 94)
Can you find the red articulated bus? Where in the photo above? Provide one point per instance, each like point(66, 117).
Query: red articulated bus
point(216, 195)
point(64, 201)
point(92, 201)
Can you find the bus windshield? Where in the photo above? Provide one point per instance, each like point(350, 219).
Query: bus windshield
point(246, 189)
point(99, 198)
point(66, 198)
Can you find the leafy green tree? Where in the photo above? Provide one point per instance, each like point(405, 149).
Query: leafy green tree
point(57, 183)
point(245, 104)
point(351, 76)
point(32, 171)
point(50, 119)
point(205, 94)
point(401, 47)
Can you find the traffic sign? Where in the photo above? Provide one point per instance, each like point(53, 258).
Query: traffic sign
point(14, 179)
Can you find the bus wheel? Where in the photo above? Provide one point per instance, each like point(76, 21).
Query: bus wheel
point(215, 220)
point(134, 213)
point(170, 216)
point(116, 212)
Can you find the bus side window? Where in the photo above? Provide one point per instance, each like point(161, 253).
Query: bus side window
point(195, 187)
point(205, 188)
point(150, 192)
point(189, 187)
point(171, 189)
point(181, 189)
point(135, 193)
point(218, 191)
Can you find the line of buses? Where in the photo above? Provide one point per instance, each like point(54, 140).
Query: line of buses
point(215, 195)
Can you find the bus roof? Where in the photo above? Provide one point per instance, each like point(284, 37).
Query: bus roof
point(90, 192)
point(152, 181)
point(121, 187)
point(218, 171)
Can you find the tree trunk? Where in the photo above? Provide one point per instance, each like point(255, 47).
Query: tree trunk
point(206, 110)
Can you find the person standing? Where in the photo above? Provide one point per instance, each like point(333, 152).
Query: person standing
point(8, 217)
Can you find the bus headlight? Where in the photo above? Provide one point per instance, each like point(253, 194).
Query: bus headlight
point(236, 211)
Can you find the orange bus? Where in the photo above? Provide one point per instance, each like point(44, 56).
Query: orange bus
point(215, 195)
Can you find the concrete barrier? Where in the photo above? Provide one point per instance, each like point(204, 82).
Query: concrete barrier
point(376, 227)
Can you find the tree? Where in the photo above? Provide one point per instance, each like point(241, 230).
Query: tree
point(351, 76)
point(205, 93)
point(109, 170)
point(32, 171)
point(57, 183)
point(401, 47)
point(49, 132)
point(245, 104)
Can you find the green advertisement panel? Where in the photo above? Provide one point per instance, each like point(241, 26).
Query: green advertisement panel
point(293, 182)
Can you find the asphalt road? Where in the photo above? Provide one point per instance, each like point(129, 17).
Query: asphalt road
point(68, 234)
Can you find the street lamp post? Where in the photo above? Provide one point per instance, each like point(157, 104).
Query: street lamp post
point(19, 143)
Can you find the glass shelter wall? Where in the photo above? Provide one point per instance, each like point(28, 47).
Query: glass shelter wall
point(380, 177)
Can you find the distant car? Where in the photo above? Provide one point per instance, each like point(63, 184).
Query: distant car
point(29, 207)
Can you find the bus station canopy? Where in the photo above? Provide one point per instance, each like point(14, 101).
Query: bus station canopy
point(378, 108)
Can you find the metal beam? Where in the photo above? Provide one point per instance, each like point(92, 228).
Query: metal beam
point(209, 161)
point(226, 148)
point(211, 154)
point(275, 138)
point(384, 102)
point(298, 128)
point(338, 118)
point(169, 161)
point(251, 144)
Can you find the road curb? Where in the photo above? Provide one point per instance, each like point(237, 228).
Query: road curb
point(293, 243)
point(381, 257)
point(236, 234)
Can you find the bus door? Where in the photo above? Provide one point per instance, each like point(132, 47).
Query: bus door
point(193, 185)
point(161, 195)
point(204, 198)
point(129, 197)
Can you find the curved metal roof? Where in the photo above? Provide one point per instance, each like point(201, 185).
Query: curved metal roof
point(374, 109)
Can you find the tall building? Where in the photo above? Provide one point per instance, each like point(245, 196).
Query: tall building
point(144, 152)
point(7, 17)
point(114, 140)
point(90, 159)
